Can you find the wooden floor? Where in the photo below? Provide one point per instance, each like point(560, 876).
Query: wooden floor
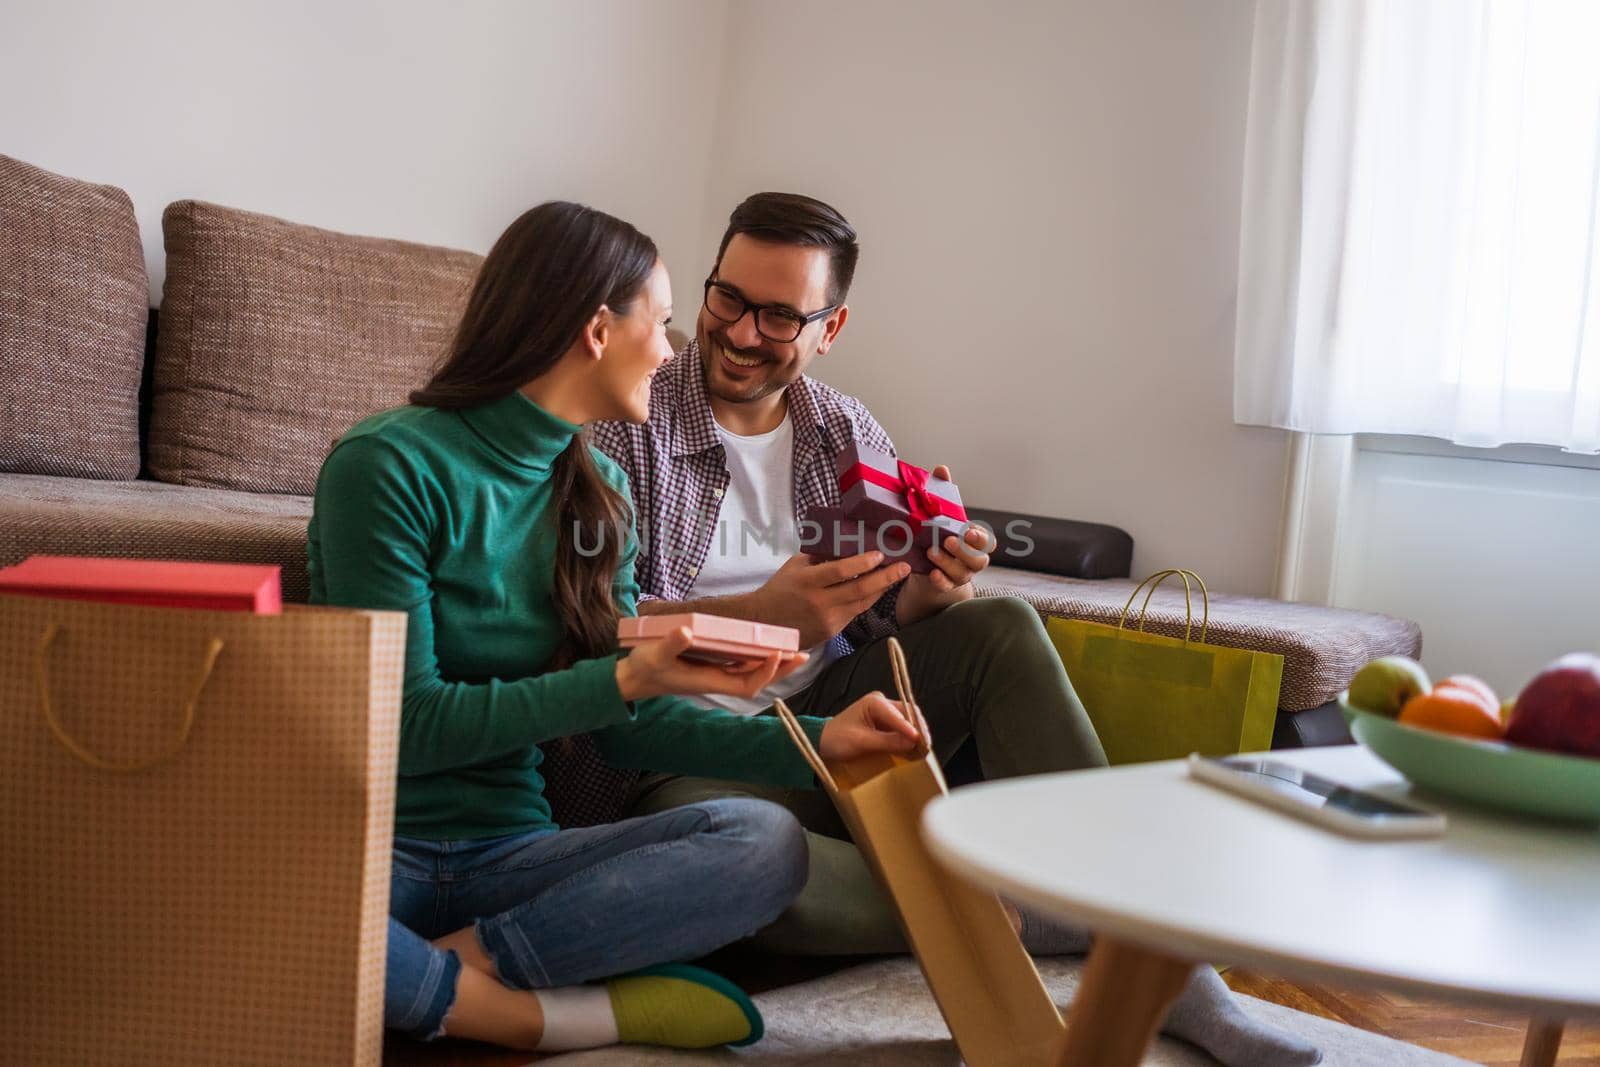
point(1482, 1035)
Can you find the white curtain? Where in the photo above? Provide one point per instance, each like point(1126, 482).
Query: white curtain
point(1420, 240)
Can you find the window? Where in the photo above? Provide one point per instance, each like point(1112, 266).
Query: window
point(1420, 250)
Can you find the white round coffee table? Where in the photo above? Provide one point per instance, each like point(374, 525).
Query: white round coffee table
point(1169, 871)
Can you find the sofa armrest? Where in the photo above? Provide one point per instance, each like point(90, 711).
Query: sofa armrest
point(1066, 547)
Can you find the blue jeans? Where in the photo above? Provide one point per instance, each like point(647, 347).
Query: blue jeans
point(559, 907)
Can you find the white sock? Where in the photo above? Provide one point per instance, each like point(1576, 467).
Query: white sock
point(576, 1017)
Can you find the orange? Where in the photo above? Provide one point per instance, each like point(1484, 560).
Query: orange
point(1453, 710)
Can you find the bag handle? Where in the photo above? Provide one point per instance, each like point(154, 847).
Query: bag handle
point(803, 743)
point(41, 670)
point(902, 684)
point(1155, 581)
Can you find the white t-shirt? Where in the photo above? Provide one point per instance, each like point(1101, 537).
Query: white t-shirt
point(755, 534)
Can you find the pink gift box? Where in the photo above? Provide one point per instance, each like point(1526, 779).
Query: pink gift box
point(713, 638)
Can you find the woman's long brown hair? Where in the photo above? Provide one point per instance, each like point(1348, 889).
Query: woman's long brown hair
point(545, 278)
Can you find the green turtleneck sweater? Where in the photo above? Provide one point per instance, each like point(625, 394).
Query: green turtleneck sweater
point(448, 517)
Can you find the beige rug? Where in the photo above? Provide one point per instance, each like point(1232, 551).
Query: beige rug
point(881, 1015)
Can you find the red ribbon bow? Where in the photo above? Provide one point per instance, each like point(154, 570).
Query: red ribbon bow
point(912, 484)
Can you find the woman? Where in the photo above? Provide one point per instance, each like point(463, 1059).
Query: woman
point(482, 512)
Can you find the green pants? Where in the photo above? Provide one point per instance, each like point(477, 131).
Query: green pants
point(983, 669)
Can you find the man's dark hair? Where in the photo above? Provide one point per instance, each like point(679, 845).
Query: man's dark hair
point(793, 219)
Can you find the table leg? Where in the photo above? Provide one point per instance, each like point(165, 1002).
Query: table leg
point(1122, 997)
point(1543, 1042)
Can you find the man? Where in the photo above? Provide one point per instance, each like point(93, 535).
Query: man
point(740, 443)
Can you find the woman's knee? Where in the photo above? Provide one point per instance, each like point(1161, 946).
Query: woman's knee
point(762, 847)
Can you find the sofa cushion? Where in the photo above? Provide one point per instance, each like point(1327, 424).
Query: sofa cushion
point(275, 338)
point(153, 520)
point(73, 302)
point(1322, 647)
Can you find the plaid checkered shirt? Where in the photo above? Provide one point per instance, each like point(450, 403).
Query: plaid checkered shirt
point(678, 473)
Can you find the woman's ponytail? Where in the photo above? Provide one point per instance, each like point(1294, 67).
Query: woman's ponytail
point(592, 520)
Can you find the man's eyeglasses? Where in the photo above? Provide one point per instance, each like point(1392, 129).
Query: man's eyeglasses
point(774, 322)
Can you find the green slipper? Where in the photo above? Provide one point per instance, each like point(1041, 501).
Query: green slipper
point(680, 1006)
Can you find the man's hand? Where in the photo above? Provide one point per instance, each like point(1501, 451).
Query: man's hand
point(955, 562)
point(655, 668)
point(959, 560)
point(819, 598)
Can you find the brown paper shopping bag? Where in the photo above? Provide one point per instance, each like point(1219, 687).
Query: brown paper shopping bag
point(197, 810)
point(983, 980)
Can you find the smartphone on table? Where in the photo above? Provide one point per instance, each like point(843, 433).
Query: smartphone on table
point(1316, 799)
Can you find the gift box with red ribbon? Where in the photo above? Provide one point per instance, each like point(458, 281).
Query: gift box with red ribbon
point(886, 504)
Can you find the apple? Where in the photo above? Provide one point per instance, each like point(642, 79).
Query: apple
point(1384, 685)
point(1560, 709)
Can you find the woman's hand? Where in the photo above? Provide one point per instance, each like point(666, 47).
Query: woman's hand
point(654, 668)
point(872, 724)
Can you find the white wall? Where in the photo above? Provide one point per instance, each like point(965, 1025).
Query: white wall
point(1047, 192)
point(403, 118)
point(1048, 200)
point(1494, 555)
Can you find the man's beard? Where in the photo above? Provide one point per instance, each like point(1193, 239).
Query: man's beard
point(711, 348)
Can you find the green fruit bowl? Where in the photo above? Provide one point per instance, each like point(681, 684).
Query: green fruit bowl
point(1493, 774)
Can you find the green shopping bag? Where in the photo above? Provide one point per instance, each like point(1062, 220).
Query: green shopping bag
point(1154, 698)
